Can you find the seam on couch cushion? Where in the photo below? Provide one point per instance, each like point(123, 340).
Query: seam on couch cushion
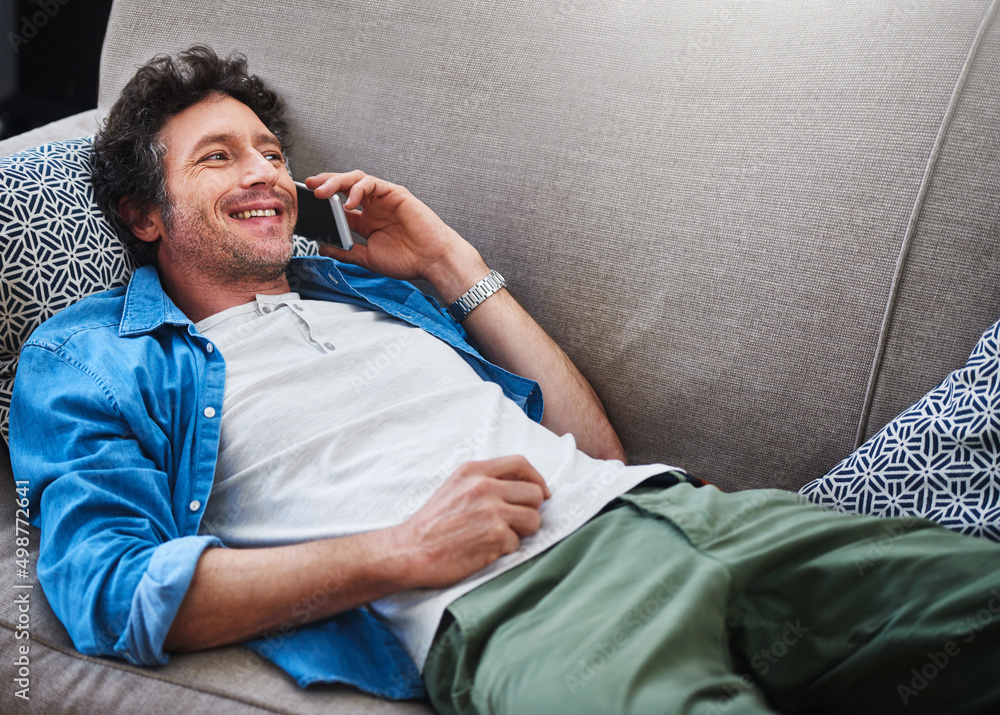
point(914, 220)
point(142, 673)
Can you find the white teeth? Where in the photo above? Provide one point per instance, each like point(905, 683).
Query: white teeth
point(255, 212)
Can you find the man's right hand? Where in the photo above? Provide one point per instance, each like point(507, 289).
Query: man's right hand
point(480, 513)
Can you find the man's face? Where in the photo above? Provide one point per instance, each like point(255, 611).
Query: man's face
point(232, 203)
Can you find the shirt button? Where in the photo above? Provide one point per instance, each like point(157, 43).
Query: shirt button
point(297, 307)
point(195, 505)
point(266, 309)
point(209, 412)
point(329, 346)
point(210, 348)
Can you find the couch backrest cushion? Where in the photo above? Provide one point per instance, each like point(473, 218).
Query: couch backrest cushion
point(761, 229)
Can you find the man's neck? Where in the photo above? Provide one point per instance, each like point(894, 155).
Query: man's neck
point(199, 297)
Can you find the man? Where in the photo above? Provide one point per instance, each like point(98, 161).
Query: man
point(220, 401)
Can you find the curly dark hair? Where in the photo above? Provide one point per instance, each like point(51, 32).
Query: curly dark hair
point(128, 153)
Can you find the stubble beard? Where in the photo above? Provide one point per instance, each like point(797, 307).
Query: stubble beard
point(220, 253)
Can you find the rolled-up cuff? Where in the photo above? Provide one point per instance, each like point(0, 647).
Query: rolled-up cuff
point(158, 597)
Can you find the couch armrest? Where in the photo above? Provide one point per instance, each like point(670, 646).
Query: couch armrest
point(78, 125)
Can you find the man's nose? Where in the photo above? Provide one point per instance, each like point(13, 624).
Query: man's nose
point(258, 169)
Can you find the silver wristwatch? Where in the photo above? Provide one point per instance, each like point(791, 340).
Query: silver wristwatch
point(476, 295)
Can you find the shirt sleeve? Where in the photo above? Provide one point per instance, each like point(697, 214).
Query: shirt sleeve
point(112, 561)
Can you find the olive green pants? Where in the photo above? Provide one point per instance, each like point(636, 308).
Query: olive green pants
point(688, 600)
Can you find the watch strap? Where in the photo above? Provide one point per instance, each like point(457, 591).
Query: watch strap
point(476, 295)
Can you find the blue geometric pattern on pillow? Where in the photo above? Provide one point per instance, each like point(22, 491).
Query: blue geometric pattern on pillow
point(55, 245)
point(939, 459)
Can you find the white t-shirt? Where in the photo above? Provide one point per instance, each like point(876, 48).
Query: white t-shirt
point(339, 420)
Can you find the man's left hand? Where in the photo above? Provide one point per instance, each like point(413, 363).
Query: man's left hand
point(405, 238)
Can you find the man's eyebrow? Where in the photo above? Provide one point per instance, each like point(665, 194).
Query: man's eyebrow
point(230, 137)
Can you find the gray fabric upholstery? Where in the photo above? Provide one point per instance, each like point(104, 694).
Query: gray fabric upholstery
point(78, 125)
point(949, 289)
point(703, 202)
point(761, 229)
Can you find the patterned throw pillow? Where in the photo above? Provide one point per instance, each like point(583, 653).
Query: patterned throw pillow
point(940, 459)
point(56, 245)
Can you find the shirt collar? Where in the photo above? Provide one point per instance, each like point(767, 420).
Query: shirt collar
point(147, 307)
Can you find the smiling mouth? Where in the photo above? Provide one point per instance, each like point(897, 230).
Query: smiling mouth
point(252, 213)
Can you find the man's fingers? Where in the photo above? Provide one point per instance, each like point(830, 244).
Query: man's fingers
point(478, 515)
point(327, 184)
point(524, 493)
point(357, 255)
point(354, 220)
point(513, 467)
point(523, 520)
point(362, 188)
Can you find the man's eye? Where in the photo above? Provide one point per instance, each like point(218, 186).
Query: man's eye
point(215, 156)
point(273, 156)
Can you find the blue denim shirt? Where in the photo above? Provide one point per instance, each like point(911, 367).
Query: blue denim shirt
point(115, 423)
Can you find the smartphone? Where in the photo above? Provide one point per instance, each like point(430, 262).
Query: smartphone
point(323, 220)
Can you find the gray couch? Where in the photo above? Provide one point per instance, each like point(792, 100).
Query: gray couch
point(761, 229)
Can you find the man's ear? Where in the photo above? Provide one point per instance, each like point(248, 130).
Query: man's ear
point(146, 225)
